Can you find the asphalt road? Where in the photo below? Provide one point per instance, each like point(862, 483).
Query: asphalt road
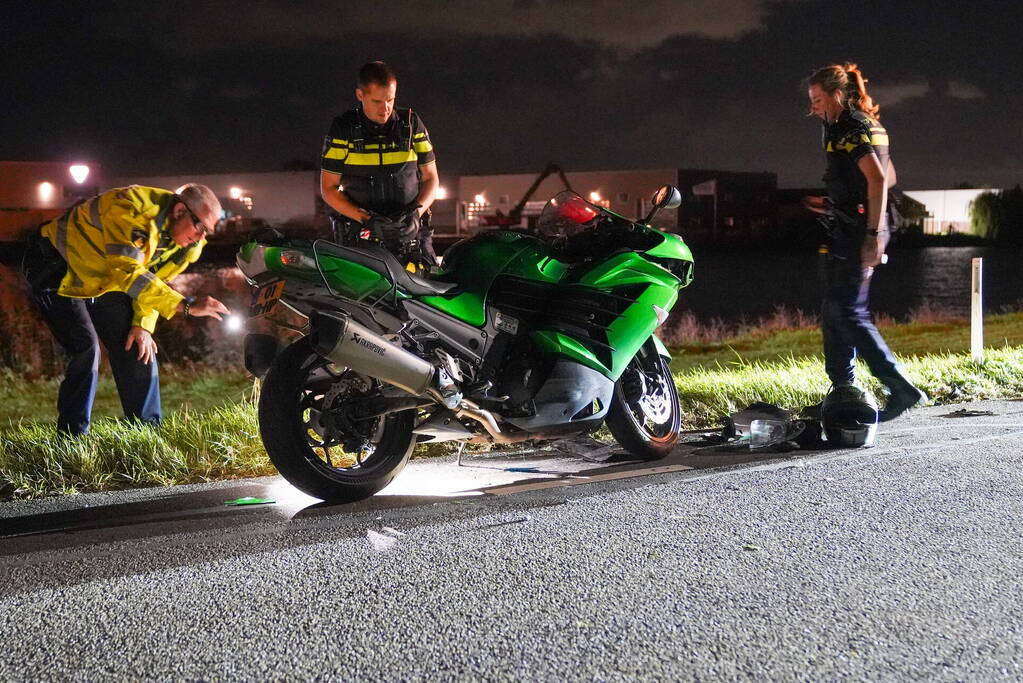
point(899, 562)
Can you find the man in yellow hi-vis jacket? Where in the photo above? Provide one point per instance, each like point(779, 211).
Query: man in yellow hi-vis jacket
point(99, 273)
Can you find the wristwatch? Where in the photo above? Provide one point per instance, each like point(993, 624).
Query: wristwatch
point(189, 300)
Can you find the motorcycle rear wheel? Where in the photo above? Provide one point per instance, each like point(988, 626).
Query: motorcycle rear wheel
point(298, 392)
point(645, 414)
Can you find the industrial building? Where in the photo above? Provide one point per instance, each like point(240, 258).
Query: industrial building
point(948, 211)
point(718, 206)
point(32, 192)
point(280, 199)
point(288, 200)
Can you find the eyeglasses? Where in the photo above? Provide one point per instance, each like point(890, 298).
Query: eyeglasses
point(199, 225)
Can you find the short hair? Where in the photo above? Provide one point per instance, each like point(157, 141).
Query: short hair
point(199, 198)
point(379, 73)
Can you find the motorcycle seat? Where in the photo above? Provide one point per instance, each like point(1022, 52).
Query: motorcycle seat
point(385, 263)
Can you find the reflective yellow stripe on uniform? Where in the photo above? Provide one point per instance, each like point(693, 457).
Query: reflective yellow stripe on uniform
point(62, 236)
point(94, 217)
point(338, 149)
point(422, 147)
point(361, 159)
point(879, 140)
point(124, 250)
point(140, 283)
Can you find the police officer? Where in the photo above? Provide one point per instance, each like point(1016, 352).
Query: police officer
point(99, 272)
point(859, 173)
point(379, 172)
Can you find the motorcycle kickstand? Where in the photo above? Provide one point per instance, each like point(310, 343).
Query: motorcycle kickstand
point(461, 447)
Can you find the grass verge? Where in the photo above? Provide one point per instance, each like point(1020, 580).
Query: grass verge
point(211, 433)
point(221, 443)
point(791, 334)
point(33, 398)
point(709, 393)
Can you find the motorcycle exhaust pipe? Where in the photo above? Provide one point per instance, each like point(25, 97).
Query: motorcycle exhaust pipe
point(342, 340)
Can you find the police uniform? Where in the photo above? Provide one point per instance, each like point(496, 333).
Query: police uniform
point(96, 271)
point(847, 325)
point(379, 163)
point(853, 136)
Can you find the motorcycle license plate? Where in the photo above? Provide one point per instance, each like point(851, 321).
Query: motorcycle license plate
point(264, 300)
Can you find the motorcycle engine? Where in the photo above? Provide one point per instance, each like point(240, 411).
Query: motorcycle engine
point(520, 378)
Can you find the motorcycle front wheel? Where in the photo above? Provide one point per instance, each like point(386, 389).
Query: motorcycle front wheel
point(315, 443)
point(645, 415)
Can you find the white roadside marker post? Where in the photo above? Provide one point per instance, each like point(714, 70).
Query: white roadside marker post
point(977, 313)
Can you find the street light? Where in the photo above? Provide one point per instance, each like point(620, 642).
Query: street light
point(481, 198)
point(46, 191)
point(79, 172)
point(442, 192)
point(595, 197)
point(235, 193)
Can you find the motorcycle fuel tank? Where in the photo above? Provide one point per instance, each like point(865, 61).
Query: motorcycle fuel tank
point(476, 262)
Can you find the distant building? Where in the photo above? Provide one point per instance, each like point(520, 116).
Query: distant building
point(279, 199)
point(35, 191)
point(718, 206)
point(948, 210)
point(289, 200)
point(727, 207)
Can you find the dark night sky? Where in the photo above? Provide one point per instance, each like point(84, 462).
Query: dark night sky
point(508, 85)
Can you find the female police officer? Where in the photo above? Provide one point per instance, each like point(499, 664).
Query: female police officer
point(859, 172)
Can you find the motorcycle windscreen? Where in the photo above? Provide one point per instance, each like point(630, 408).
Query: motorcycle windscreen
point(565, 215)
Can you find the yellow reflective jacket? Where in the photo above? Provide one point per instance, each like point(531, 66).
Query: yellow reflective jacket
point(119, 241)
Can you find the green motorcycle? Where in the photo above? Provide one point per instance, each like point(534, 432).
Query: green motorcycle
point(520, 336)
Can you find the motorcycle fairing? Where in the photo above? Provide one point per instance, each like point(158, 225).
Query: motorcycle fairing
point(572, 398)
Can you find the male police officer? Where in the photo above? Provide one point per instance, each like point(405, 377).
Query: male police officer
point(378, 170)
point(99, 272)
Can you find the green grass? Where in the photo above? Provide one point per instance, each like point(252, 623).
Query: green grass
point(35, 398)
point(912, 339)
point(210, 431)
point(221, 443)
point(709, 393)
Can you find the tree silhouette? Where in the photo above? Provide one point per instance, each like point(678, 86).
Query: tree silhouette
point(998, 216)
point(986, 215)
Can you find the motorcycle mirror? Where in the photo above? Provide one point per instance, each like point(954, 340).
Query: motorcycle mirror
point(666, 197)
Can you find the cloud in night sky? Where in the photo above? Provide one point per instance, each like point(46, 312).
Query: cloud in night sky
point(204, 26)
point(512, 85)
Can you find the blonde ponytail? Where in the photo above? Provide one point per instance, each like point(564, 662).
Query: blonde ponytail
point(850, 81)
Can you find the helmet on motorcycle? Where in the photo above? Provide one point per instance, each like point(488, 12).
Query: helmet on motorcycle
point(577, 210)
point(566, 214)
point(849, 417)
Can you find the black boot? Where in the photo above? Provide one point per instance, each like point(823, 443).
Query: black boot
point(902, 396)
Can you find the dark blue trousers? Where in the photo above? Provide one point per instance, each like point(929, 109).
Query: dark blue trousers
point(848, 327)
point(80, 325)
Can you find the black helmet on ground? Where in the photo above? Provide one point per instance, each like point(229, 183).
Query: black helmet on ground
point(849, 417)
